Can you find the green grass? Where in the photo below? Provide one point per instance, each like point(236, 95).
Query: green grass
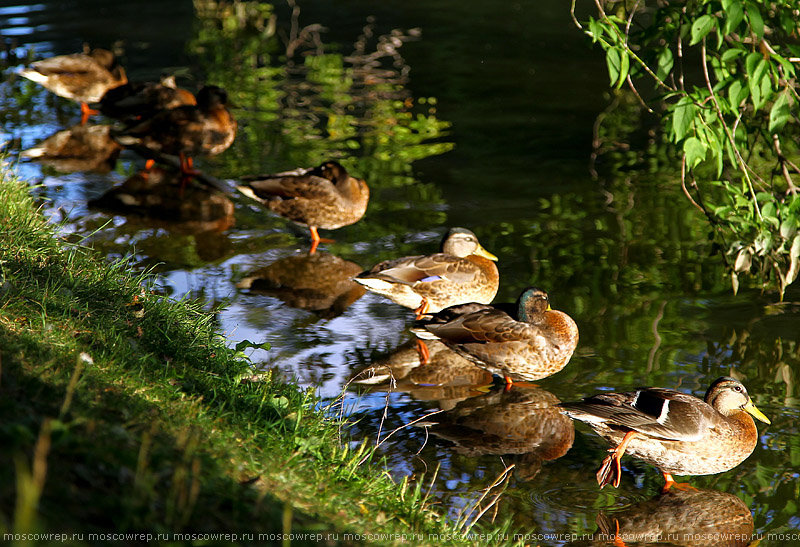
point(123, 411)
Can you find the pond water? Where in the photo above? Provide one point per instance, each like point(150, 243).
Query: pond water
point(478, 115)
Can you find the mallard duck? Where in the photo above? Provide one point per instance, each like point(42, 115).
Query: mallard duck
point(671, 430)
point(81, 77)
point(324, 197)
point(463, 272)
point(205, 128)
point(135, 102)
point(533, 343)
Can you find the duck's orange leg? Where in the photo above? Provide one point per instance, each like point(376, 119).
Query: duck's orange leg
point(424, 353)
point(611, 470)
point(670, 482)
point(86, 112)
point(423, 308)
point(187, 170)
point(148, 166)
point(316, 240)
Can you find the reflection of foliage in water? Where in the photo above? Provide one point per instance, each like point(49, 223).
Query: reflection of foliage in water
point(304, 104)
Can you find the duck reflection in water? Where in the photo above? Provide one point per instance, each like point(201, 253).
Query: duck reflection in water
point(523, 423)
point(447, 377)
point(689, 517)
point(319, 282)
point(481, 417)
point(156, 195)
point(79, 148)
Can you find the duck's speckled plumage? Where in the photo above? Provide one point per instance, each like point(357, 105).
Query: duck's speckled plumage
point(463, 272)
point(81, 77)
point(324, 197)
point(205, 128)
point(534, 343)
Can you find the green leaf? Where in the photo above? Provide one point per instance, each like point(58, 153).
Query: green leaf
point(595, 30)
point(701, 27)
point(683, 117)
point(614, 64)
point(734, 10)
point(624, 68)
point(244, 344)
point(780, 113)
point(789, 227)
point(665, 63)
point(737, 92)
point(770, 212)
point(751, 61)
point(730, 55)
point(756, 21)
point(695, 151)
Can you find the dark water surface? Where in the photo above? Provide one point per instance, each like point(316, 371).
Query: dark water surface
point(623, 252)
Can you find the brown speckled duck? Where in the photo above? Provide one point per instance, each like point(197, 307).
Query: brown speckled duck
point(138, 101)
point(671, 430)
point(81, 77)
point(463, 272)
point(324, 197)
point(533, 343)
point(206, 128)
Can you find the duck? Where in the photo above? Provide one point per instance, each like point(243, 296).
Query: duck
point(326, 197)
point(206, 128)
point(81, 77)
point(673, 431)
point(134, 102)
point(529, 343)
point(462, 272)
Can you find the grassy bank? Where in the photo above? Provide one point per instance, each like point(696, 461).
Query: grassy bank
point(123, 412)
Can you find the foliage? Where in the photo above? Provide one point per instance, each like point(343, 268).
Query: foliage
point(725, 75)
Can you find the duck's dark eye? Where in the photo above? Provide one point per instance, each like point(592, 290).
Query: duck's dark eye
point(737, 389)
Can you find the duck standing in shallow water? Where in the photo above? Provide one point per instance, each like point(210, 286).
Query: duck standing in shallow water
point(531, 343)
point(206, 128)
point(463, 272)
point(675, 432)
point(81, 77)
point(324, 197)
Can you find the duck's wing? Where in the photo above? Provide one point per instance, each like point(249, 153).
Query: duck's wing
point(292, 184)
point(487, 325)
point(657, 412)
point(412, 270)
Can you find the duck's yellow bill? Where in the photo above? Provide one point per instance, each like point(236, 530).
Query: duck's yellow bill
point(751, 409)
point(480, 251)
